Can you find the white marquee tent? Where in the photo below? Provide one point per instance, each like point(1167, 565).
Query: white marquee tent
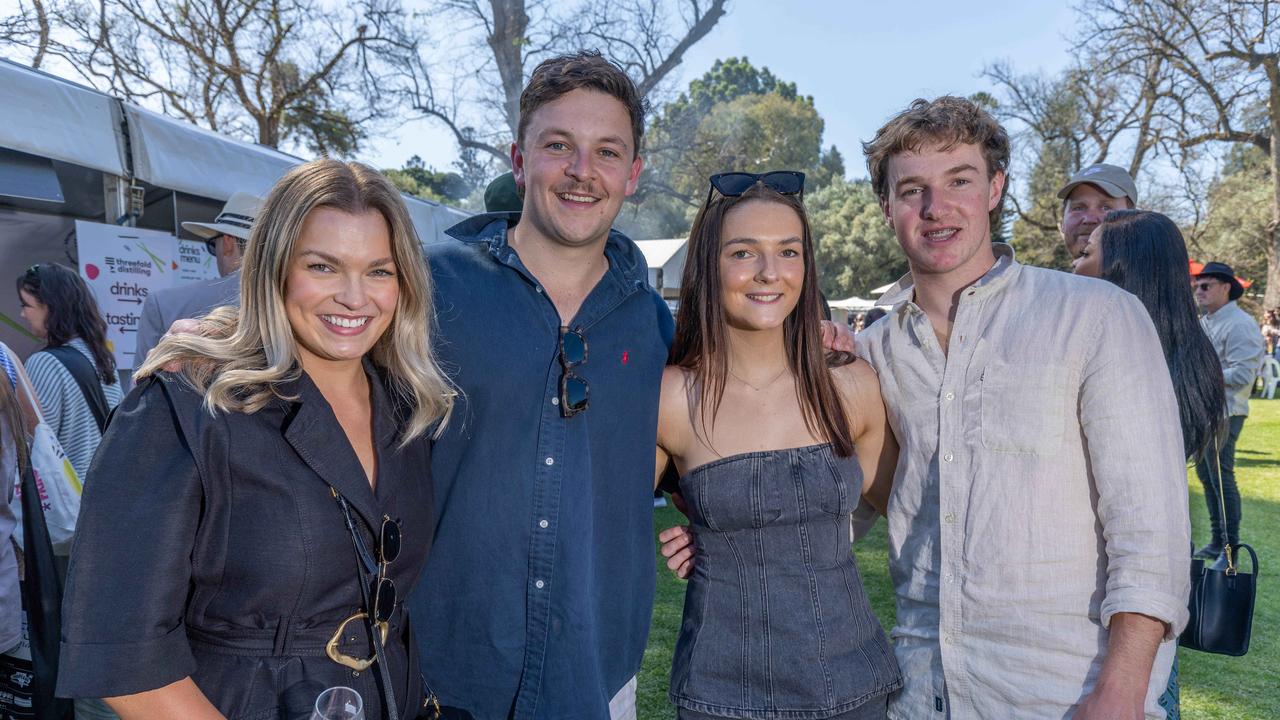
point(69, 152)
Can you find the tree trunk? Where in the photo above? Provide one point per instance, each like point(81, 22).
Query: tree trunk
point(510, 25)
point(1272, 297)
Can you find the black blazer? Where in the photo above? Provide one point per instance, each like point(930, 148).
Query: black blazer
point(211, 546)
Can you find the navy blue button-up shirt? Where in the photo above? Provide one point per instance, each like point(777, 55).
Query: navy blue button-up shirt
point(537, 597)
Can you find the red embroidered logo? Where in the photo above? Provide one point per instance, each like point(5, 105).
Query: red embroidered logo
point(625, 357)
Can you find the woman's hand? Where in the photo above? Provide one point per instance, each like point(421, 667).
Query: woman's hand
point(678, 548)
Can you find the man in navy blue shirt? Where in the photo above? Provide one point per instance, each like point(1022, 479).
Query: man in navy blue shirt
point(536, 600)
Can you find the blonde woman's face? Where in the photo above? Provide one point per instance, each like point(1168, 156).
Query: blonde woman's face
point(341, 286)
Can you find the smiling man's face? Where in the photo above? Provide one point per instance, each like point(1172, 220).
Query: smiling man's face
point(938, 202)
point(577, 164)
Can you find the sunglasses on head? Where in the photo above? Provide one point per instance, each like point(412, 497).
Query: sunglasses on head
point(733, 184)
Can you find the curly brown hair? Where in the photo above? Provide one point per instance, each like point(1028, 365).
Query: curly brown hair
point(947, 121)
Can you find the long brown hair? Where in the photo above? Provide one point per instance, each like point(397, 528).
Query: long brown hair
point(700, 343)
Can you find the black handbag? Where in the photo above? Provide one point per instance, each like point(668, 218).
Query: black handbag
point(42, 599)
point(1221, 603)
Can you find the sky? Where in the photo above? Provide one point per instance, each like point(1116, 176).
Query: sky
point(861, 60)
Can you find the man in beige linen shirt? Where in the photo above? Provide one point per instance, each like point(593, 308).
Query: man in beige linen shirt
point(1038, 528)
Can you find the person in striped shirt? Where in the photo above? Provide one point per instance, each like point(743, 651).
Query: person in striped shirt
point(60, 310)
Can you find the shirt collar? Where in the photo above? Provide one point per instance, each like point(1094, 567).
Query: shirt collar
point(996, 279)
point(1222, 311)
point(491, 229)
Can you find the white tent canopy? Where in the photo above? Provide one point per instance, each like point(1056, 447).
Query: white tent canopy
point(174, 154)
point(46, 116)
point(431, 219)
point(852, 304)
point(665, 259)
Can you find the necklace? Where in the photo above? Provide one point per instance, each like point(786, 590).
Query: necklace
point(762, 387)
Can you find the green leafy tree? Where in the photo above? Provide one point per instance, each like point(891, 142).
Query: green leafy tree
point(416, 179)
point(853, 246)
point(1236, 229)
point(734, 117)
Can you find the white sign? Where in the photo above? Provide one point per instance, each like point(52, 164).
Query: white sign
point(124, 265)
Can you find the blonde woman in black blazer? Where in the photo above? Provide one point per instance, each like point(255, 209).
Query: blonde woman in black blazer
point(238, 503)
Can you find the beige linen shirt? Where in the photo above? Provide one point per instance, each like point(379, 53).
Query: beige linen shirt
point(1040, 489)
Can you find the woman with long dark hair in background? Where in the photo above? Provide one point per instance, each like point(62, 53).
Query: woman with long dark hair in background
point(60, 310)
point(775, 443)
point(1144, 253)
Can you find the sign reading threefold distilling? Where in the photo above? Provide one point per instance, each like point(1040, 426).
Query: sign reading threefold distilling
point(123, 265)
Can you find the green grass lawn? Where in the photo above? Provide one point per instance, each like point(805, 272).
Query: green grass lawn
point(1214, 687)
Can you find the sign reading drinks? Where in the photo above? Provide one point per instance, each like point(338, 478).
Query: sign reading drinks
point(124, 265)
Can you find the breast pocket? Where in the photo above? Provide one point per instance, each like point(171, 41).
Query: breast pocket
point(1023, 408)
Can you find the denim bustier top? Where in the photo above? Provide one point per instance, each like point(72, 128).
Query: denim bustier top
point(776, 621)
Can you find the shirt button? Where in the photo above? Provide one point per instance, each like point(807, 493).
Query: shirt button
point(951, 517)
point(550, 461)
point(950, 396)
point(950, 577)
point(948, 639)
point(948, 457)
point(555, 401)
point(538, 584)
point(538, 288)
point(543, 524)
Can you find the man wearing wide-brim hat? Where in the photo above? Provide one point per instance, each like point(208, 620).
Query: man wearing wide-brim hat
point(1240, 347)
point(225, 238)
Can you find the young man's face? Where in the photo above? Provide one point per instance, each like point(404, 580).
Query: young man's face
point(576, 165)
point(938, 203)
point(1082, 211)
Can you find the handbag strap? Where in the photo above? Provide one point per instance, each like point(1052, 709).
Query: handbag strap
point(1222, 498)
point(86, 376)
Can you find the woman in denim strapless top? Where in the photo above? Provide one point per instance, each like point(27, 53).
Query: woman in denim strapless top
point(763, 426)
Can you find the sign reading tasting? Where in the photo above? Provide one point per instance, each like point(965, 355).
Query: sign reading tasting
point(123, 265)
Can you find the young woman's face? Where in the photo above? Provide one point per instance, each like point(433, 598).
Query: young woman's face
point(35, 313)
point(1089, 261)
point(761, 264)
point(341, 286)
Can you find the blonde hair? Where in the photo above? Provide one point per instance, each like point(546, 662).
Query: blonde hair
point(242, 354)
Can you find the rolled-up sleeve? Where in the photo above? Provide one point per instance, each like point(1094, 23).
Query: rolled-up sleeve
point(122, 625)
point(1129, 415)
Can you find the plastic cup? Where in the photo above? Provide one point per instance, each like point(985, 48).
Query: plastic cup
point(339, 703)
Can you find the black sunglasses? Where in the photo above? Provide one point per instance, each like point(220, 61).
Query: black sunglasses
point(382, 605)
point(1204, 286)
point(733, 184)
point(212, 245)
point(575, 393)
point(384, 593)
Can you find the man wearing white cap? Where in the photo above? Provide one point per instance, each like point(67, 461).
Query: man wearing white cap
point(225, 238)
point(1087, 198)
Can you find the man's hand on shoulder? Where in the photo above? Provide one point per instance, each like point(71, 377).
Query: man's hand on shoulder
point(837, 337)
point(181, 326)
